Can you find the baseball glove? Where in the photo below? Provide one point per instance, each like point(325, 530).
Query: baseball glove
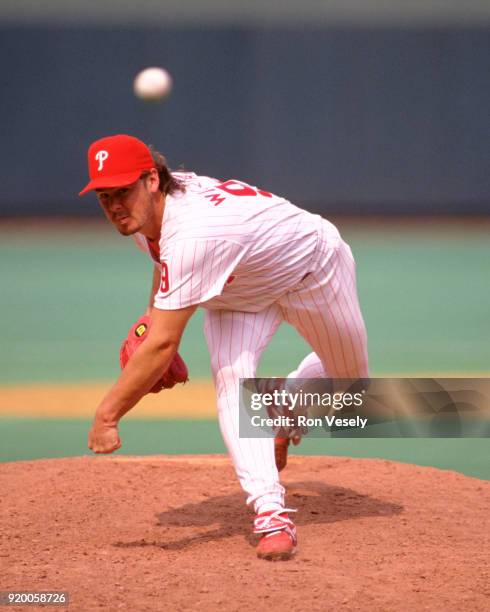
point(177, 371)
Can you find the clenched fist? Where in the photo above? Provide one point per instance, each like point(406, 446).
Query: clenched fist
point(103, 438)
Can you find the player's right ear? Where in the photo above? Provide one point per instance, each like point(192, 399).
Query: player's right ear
point(153, 180)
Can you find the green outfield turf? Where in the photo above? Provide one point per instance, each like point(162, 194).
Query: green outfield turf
point(69, 296)
point(23, 439)
point(70, 292)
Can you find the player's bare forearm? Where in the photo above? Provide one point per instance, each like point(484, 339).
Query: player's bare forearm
point(147, 363)
point(140, 374)
point(142, 371)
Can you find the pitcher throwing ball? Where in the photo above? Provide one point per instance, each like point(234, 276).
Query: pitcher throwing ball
point(252, 260)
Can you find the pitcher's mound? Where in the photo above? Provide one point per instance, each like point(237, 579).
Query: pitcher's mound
point(173, 533)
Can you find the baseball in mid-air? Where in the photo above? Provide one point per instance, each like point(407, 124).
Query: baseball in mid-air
point(152, 84)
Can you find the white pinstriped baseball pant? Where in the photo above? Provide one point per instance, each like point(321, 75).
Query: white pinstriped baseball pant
point(324, 309)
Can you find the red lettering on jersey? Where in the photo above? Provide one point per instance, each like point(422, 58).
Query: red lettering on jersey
point(242, 189)
point(237, 188)
point(164, 285)
point(214, 197)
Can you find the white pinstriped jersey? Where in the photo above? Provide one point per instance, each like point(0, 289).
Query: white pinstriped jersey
point(254, 260)
point(227, 245)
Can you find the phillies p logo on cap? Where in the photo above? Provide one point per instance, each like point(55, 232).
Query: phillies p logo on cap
point(101, 156)
point(116, 161)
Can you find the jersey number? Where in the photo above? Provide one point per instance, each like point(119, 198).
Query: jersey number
point(235, 188)
point(242, 189)
point(164, 285)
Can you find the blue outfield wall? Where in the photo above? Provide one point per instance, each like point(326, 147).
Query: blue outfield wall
point(351, 120)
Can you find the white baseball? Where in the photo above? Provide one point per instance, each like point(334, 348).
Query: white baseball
point(152, 84)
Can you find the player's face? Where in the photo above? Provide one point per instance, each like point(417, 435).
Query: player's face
point(128, 208)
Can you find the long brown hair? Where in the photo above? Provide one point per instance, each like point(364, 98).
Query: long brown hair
point(168, 183)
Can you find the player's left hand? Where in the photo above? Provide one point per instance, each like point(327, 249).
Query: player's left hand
point(103, 438)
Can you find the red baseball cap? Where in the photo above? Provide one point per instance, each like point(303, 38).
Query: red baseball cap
point(116, 161)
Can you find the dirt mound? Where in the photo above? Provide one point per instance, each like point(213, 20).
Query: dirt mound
point(173, 533)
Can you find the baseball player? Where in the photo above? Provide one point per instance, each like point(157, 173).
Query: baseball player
point(252, 260)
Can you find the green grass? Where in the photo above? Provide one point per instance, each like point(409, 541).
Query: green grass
point(69, 297)
point(25, 439)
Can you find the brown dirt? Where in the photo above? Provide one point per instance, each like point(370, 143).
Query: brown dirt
point(162, 533)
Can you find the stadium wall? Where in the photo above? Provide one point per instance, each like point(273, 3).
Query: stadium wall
point(339, 119)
